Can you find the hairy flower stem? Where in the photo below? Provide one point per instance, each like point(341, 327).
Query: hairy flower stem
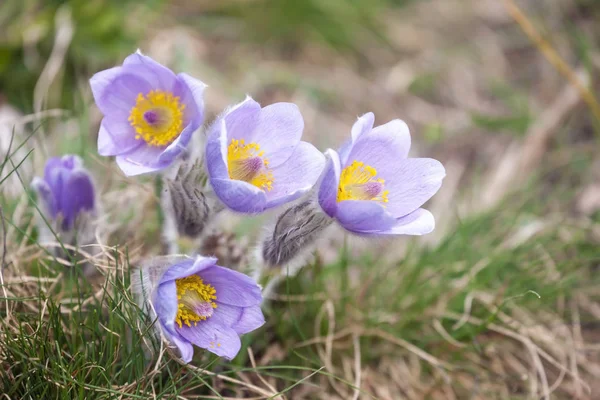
point(187, 206)
point(295, 232)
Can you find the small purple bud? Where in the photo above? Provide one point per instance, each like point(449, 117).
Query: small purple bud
point(66, 190)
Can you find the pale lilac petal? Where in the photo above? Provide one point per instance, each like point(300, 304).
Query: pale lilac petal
point(233, 288)
point(362, 216)
point(419, 222)
point(398, 130)
point(296, 176)
point(215, 338)
point(187, 267)
point(186, 349)
point(363, 125)
point(120, 95)
point(239, 196)
point(77, 196)
point(132, 168)
point(157, 75)
point(226, 315)
point(100, 82)
point(252, 318)
point(216, 151)
point(278, 132)
point(329, 185)
point(165, 304)
point(192, 96)
point(382, 148)
point(166, 307)
point(45, 195)
point(411, 183)
point(117, 136)
point(143, 159)
point(178, 146)
point(240, 122)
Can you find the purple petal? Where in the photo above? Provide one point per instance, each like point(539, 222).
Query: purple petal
point(120, 94)
point(132, 168)
point(165, 304)
point(329, 185)
point(226, 315)
point(188, 267)
point(45, 195)
point(361, 216)
point(157, 75)
point(233, 288)
point(418, 222)
point(185, 348)
point(411, 183)
point(296, 176)
point(116, 137)
point(216, 151)
point(382, 148)
point(100, 83)
point(252, 318)
point(400, 134)
point(78, 195)
point(362, 126)
point(51, 165)
point(215, 338)
point(192, 96)
point(56, 179)
point(278, 132)
point(240, 122)
point(141, 160)
point(71, 161)
point(239, 196)
point(166, 307)
point(178, 146)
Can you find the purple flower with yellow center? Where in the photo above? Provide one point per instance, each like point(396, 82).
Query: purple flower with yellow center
point(66, 191)
point(371, 187)
point(149, 112)
point(198, 302)
point(255, 158)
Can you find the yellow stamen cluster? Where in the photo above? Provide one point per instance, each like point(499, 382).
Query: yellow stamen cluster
point(354, 181)
point(168, 112)
point(246, 163)
point(192, 290)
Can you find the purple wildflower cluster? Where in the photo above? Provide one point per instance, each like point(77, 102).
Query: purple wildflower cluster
point(252, 160)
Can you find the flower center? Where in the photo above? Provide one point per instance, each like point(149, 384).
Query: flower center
point(194, 300)
point(157, 117)
point(358, 182)
point(246, 163)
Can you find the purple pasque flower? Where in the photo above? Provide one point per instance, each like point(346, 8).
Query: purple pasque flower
point(66, 191)
point(149, 112)
point(255, 158)
point(371, 187)
point(198, 302)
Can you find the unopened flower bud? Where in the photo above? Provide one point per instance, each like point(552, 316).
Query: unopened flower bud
point(189, 206)
point(67, 201)
point(294, 233)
